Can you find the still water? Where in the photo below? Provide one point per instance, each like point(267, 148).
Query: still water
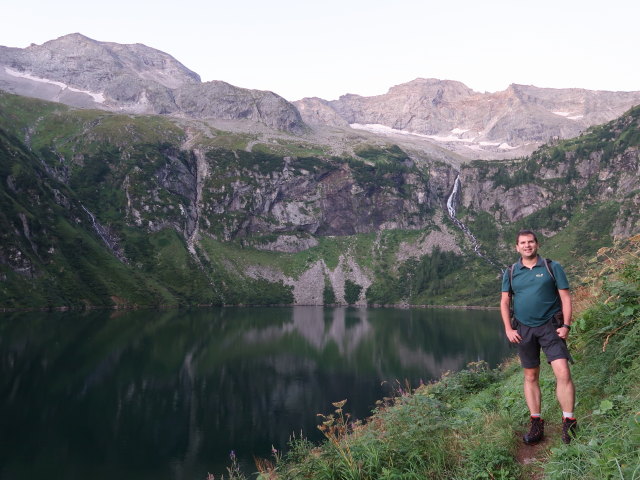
point(169, 394)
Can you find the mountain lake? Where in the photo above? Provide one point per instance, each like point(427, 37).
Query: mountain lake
point(169, 394)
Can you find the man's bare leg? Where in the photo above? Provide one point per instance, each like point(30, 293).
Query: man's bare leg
point(565, 390)
point(566, 393)
point(532, 394)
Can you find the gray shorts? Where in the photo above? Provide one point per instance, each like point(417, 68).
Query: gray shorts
point(535, 338)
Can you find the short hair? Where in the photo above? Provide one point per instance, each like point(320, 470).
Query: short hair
point(526, 232)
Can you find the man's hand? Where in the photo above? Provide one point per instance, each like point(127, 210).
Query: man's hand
point(563, 332)
point(513, 335)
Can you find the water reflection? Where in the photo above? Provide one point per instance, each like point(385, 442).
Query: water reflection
point(168, 394)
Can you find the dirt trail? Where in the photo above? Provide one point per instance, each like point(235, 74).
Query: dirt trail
point(532, 456)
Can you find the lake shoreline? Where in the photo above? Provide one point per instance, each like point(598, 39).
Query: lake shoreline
point(188, 307)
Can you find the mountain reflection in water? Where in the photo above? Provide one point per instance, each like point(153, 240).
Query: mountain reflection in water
point(168, 394)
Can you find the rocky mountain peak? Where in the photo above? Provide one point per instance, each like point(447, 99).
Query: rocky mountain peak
point(508, 124)
point(432, 87)
point(82, 72)
point(319, 111)
point(71, 38)
point(83, 62)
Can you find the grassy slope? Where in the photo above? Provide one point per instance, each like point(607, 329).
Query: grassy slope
point(467, 425)
point(46, 232)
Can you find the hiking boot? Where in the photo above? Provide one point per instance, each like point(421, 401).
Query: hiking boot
point(569, 427)
point(536, 432)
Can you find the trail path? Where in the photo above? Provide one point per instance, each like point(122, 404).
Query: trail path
point(531, 457)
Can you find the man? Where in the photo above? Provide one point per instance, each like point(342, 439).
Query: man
point(537, 297)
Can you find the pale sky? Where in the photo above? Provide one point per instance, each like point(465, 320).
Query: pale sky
point(306, 48)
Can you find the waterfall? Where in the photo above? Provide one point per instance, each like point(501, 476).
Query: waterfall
point(99, 229)
point(451, 208)
point(451, 201)
point(104, 236)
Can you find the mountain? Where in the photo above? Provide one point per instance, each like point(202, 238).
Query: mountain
point(86, 73)
point(106, 209)
point(429, 113)
point(89, 196)
point(477, 125)
point(140, 185)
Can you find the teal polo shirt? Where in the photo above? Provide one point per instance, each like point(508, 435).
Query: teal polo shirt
point(536, 297)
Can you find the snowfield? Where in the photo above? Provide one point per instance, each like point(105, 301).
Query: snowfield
point(453, 137)
point(97, 97)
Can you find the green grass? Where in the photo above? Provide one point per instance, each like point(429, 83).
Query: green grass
point(227, 141)
point(389, 154)
point(607, 375)
point(57, 128)
point(20, 113)
point(329, 249)
point(589, 230)
point(294, 148)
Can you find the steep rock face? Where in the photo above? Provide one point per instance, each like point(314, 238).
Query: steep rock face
point(317, 111)
point(220, 100)
point(271, 201)
point(86, 73)
point(326, 199)
point(287, 244)
point(308, 288)
point(512, 204)
point(424, 106)
point(595, 177)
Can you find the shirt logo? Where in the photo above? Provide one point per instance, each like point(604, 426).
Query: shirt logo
point(539, 274)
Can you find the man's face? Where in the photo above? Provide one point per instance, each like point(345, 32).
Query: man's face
point(527, 246)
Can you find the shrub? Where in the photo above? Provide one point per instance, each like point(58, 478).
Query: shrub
point(351, 292)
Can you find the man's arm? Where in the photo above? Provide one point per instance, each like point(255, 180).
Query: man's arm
point(565, 298)
point(512, 334)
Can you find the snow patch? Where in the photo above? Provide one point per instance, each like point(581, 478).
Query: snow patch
point(383, 129)
point(470, 142)
point(568, 115)
point(97, 97)
point(449, 138)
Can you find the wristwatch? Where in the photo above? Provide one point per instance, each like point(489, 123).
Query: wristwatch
point(564, 325)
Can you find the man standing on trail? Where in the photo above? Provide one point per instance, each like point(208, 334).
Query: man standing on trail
point(538, 292)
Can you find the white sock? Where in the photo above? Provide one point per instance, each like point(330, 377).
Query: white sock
point(567, 415)
point(536, 415)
